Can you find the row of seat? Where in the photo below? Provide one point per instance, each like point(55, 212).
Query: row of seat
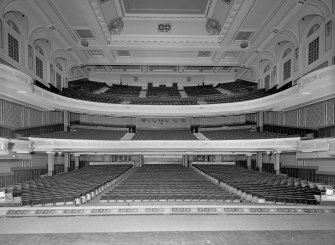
point(261, 187)
point(238, 97)
point(75, 187)
point(201, 90)
point(236, 134)
point(124, 90)
point(87, 134)
point(152, 183)
point(164, 135)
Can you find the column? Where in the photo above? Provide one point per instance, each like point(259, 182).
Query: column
point(249, 161)
point(51, 163)
point(66, 161)
point(260, 116)
point(76, 161)
point(66, 120)
point(185, 160)
point(277, 163)
point(259, 161)
point(140, 160)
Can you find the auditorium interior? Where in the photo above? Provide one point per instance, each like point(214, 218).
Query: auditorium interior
point(167, 122)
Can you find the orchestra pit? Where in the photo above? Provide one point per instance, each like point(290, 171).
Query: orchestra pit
point(167, 122)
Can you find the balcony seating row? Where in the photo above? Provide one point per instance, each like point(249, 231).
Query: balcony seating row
point(236, 97)
point(201, 90)
point(170, 182)
point(238, 86)
point(163, 91)
point(164, 101)
point(236, 134)
point(124, 90)
point(262, 187)
point(83, 95)
point(75, 187)
point(164, 135)
point(87, 134)
point(85, 85)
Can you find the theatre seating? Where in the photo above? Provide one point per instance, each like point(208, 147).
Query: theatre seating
point(164, 135)
point(238, 97)
point(74, 187)
point(163, 91)
point(87, 134)
point(85, 85)
point(238, 86)
point(124, 90)
point(169, 182)
point(201, 90)
point(83, 95)
point(262, 187)
point(164, 101)
point(236, 134)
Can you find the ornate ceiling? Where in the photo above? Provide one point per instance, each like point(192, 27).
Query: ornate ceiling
point(179, 33)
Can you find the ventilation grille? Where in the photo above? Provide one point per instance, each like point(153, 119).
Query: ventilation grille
point(232, 54)
point(103, 1)
point(95, 53)
point(200, 68)
point(162, 68)
point(204, 54)
point(13, 48)
point(243, 35)
point(39, 67)
point(165, 27)
point(125, 68)
point(123, 53)
point(84, 33)
point(225, 68)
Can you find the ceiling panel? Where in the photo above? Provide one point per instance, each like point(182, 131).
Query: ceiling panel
point(163, 54)
point(69, 9)
point(259, 11)
point(194, 7)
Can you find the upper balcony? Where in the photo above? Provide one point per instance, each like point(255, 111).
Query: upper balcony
point(313, 87)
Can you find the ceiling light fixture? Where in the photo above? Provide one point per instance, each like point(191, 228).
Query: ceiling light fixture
point(244, 43)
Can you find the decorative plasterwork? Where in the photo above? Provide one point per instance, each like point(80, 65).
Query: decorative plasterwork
point(175, 146)
point(100, 18)
point(154, 41)
point(230, 19)
point(213, 27)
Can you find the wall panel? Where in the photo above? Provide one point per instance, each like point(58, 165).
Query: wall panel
point(12, 115)
point(302, 117)
point(330, 112)
point(36, 117)
point(315, 115)
point(291, 118)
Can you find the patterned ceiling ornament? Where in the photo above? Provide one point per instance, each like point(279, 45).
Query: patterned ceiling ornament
point(213, 27)
point(115, 26)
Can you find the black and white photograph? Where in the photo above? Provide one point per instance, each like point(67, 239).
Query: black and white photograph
point(163, 122)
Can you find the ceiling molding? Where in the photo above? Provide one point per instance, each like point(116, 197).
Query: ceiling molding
point(230, 19)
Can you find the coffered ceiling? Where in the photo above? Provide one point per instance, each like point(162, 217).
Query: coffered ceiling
point(169, 33)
